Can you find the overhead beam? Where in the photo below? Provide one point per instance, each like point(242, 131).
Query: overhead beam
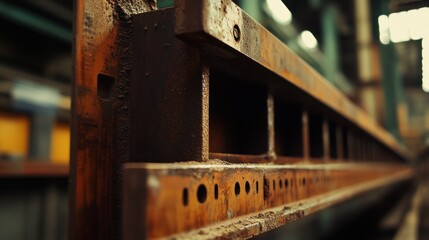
point(35, 21)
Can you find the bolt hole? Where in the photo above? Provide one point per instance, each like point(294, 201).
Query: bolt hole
point(303, 181)
point(286, 183)
point(202, 193)
point(237, 189)
point(280, 184)
point(274, 185)
point(266, 188)
point(257, 187)
point(105, 87)
point(236, 32)
point(247, 187)
point(185, 197)
point(216, 191)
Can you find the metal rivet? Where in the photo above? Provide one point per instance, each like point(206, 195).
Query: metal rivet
point(236, 32)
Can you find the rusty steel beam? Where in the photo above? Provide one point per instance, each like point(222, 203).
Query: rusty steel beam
point(143, 93)
point(175, 104)
point(100, 64)
point(223, 29)
point(168, 199)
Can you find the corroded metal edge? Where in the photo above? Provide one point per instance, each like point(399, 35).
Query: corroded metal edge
point(254, 224)
point(165, 199)
point(215, 164)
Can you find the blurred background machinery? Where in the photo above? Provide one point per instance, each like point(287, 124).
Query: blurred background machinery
point(35, 77)
point(374, 52)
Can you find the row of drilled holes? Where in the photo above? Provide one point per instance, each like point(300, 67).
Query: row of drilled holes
point(202, 189)
point(303, 181)
point(202, 192)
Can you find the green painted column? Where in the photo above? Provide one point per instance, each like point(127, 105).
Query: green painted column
point(165, 3)
point(330, 42)
point(391, 77)
point(390, 82)
point(253, 8)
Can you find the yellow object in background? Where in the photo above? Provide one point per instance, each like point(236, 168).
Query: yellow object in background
point(60, 143)
point(14, 134)
point(15, 137)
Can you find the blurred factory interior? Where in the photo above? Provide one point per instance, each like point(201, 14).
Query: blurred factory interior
point(376, 52)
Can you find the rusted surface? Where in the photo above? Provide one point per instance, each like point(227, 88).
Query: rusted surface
point(141, 94)
point(210, 25)
point(181, 197)
point(237, 118)
point(169, 94)
point(241, 158)
point(99, 133)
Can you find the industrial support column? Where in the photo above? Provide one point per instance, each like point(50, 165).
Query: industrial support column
point(366, 70)
point(391, 78)
point(100, 114)
point(330, 42)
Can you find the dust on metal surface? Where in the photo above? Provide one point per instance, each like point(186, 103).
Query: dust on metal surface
point(186, 196)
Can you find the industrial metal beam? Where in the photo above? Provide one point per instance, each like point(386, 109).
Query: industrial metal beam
point(40, 23)
point(225, 25)
point(191, 91)
point(163, 200)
